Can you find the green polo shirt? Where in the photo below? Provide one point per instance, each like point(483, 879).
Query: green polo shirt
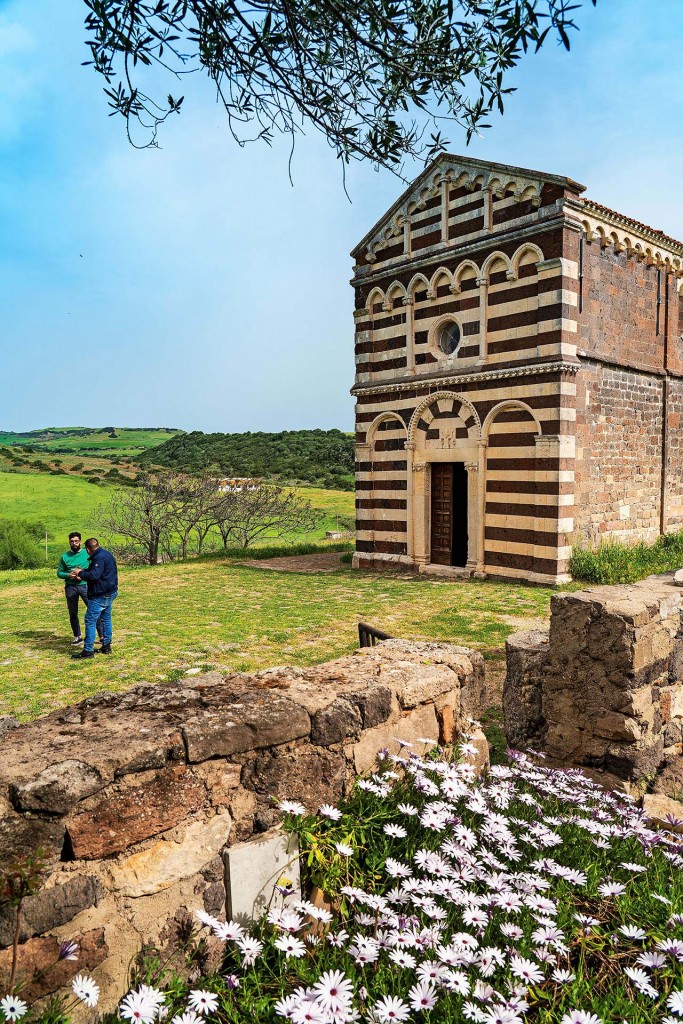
point(69, 561)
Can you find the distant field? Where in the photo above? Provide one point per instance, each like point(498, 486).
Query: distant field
point(235, 617)
point(128, 440)
point(66, 503)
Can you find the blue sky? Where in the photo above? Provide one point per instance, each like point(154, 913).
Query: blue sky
point(193, 286)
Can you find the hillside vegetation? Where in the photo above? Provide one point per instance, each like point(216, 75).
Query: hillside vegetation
point(322, 457)
point(66, 440)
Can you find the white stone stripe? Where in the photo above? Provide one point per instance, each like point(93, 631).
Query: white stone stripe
point(514, 522)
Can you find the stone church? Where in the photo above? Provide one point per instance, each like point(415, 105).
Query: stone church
point(519, 375)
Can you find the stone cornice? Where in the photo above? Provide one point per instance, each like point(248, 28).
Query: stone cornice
point(414, 383)
point(638, 240)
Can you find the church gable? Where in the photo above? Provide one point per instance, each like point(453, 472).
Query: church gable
point(454, 201)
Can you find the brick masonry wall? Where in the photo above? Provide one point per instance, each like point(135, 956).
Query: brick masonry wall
point(618, 454)
point(135, 797)
point(619, 317)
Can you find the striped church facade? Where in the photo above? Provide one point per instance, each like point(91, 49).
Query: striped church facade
point(472, 405)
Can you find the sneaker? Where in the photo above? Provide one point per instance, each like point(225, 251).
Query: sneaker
point(105, 649)
point(76, 641)
point(83, 654)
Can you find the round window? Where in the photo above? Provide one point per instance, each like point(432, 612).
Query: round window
point(449, 338)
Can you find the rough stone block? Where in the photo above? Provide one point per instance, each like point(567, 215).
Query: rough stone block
point(58, 788)
point(126, 813)
point(255, 720)
point(49, 908)
point(20, 837)
point(313, 775)
point(168, 861)
point(375, 705)
point(613, 726)
point(335, 723)
point(526, 657)
point(253, 869)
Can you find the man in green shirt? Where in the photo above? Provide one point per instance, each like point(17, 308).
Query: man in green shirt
point(75, 558)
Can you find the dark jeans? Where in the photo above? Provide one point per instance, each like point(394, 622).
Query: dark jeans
point(72, 592)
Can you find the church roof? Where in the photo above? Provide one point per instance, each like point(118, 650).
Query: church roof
point(486, 170)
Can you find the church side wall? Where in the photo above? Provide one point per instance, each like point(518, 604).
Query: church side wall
point(629, 400)
point(618, 454)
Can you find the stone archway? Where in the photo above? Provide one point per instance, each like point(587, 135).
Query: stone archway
point(444, 430)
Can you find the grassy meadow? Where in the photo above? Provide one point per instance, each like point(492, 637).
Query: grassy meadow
point(66, 503)
point(211, 613)
point(128, 440)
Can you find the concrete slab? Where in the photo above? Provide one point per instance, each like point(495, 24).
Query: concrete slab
point(253, 869)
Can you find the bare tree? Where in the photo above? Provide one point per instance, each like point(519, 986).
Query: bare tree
point(142, 514)
point(243, 516)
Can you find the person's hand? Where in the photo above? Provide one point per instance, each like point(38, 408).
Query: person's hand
point(74, 574)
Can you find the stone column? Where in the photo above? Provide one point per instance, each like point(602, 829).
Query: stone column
point(410, 502)
point(420, 480)
point(483, 283)
point(472, 515)
point(408, 303)
point(560, 448)
point(445, 184)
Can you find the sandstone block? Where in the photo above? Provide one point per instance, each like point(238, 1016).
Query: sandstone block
point(58, 788)
point(37, 955)
point(419, 687)
point(413, 727)
point(613, 726)
point(254, 720)
point(128, 812)
point(664, 811)
point(50, 908)
point(168, 861)
point(335, 723)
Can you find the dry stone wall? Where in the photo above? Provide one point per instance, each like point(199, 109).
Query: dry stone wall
point(134, 798)
point(603, 689)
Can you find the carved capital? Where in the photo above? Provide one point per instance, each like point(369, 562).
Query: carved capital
point(472, 467)
point(419, 467)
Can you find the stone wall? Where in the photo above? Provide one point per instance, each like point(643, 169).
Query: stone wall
point(134, 798)
point(603, 689)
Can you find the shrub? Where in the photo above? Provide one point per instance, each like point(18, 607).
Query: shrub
point(19, 548)
point(615, 562)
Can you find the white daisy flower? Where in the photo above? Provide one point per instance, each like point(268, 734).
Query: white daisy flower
point(13, 1007)
point(202, 1001)
point(85, 989)
point(290, 945)
point(329, 811)
point(391, 1009)
point(641, 979)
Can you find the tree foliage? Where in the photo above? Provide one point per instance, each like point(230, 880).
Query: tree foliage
point(376, 77)
point(324, 457)
point(171, 515)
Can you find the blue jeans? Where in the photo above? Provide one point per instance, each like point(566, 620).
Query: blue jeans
point(98, 608)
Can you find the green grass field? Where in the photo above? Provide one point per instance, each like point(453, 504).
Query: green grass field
point(129, 440)
point(66, 503)
point(200, 614)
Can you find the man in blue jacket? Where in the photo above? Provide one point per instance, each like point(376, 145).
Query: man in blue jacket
point(103, 582)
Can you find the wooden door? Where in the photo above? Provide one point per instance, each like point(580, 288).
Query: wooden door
point(442, 514)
